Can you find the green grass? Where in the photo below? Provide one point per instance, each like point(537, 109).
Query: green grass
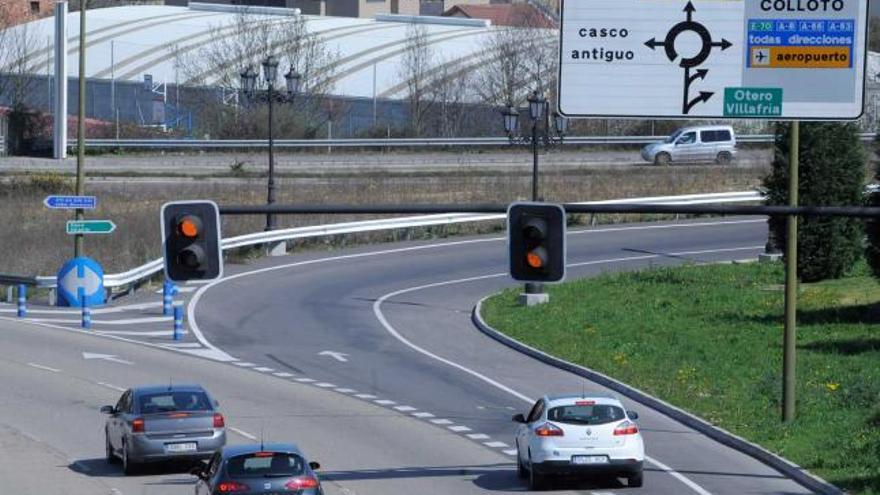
point(709, 339)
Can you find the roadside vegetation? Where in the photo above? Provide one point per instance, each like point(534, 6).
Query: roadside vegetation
point(34, 235)
point(709, 339)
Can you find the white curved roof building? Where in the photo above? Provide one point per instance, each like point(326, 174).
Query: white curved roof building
point(125, 43)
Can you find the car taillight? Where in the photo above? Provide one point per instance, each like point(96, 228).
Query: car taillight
point(218, 421)
point(301, 483)
point(626, 428)
point(549, 430)
point(137, 425)
point(232, 487)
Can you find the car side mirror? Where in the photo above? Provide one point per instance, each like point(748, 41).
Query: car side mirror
point(519, 418)
point(632, 414)
point(108, 409)
point(315, 465)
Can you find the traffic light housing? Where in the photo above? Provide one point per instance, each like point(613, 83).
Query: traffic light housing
point(191, 240)
point(536, 242)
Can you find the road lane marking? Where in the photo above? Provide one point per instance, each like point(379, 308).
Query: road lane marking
point(325, 385)
point(384, 402)
point(510, 451)
point(496, 445)
point(105, 357)
point(365, 396)
point(305, 380)
point(680, 477)
point(345, 390)
point(405, 408)
point(263, 369)
point(478, 436)
point(183, 345)
point(41, 367)
point(459, 428)
point(282, 374)
point(110, 385)
point(242, 433)
point(339, 356)
point(423, 415)
point(220, 355)
point(441, 421)
point(243, 364)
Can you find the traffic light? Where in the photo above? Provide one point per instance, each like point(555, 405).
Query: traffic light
point(191, 240)
point(536, 242)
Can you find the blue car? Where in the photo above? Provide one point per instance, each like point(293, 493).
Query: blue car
point(270, 469)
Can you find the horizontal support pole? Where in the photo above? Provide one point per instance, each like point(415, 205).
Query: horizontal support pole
point(417, 209)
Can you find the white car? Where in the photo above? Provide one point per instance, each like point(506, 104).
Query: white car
point(579, 434)
point(694, 144)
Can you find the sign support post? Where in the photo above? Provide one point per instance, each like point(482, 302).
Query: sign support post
point(81, 126)
point(789, 376)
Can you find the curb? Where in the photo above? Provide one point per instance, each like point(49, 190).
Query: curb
point(784, 466)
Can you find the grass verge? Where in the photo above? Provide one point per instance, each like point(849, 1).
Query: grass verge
point(709, 339)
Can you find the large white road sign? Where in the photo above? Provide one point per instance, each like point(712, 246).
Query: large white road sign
point(769, 59)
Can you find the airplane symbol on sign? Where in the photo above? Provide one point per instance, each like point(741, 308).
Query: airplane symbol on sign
point(760, 56)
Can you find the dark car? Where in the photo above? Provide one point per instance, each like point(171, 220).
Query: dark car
point(276, 468)
point(161, 423)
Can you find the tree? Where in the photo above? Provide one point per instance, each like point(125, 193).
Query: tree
point(415, 66)
point(831, 173)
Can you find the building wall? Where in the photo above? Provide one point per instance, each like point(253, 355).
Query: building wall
point(14, 12)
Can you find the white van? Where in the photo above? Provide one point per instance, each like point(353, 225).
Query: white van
point(694, 144)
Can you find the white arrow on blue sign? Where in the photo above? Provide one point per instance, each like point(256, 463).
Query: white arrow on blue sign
point(71, 202)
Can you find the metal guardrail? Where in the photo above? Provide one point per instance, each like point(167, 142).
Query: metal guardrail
point(387, 143)
point(151, 268)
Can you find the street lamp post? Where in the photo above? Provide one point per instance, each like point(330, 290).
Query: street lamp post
point(249, 86)
point(538, 111)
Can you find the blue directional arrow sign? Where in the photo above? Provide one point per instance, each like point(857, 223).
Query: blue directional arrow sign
point(71, 202)
point(81, 279)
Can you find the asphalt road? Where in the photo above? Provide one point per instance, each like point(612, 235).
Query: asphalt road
point(366, 358)
point(394, 322)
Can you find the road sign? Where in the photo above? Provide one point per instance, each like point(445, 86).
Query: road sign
point(770, 59)
point(71, 202)
point(90, 226)
point(78, 279)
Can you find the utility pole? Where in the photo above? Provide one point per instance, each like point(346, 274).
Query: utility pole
point(81, 125)
point(789, 376)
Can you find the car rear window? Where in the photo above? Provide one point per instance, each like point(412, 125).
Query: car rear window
point(714, 136)
point(174, 401)
point(262, 464)
point(593, 414)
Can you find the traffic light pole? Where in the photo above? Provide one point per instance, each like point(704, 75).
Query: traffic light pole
point(270, 200)
point(789, 376)
point(534, 292)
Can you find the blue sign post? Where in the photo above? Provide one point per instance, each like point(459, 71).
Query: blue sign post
point(81, 280)
point(71, 202)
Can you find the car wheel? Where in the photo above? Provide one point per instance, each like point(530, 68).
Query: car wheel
point(636, 480)
point(536, 480)
point(521, 471)
point(128, 467)
point(662, 159)
point(111, 456)
point(723, 158)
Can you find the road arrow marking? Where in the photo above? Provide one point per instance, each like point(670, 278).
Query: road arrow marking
point(105, 357)
point(335, 355)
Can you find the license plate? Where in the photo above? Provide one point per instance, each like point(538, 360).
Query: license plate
point(589, 459)
point(181, 447)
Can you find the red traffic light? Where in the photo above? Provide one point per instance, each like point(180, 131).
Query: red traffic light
point(189, 226)
point(537, 258)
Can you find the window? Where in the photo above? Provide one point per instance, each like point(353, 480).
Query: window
point(174, 401)
point(35, 7)
point(708, 136)
point(595, 414)
point(723, 135)
point(124, 402)
point(536, 412)
point(265, 464)
point(687, 138)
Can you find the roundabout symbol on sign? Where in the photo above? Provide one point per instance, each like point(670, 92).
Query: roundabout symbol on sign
point(688, 63)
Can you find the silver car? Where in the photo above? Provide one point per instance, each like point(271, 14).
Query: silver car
point(161, 423)
point(694, 144)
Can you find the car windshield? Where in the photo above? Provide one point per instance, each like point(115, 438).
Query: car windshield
point(265, 464)
point(174, 401)
point(673, 137)
point(594, 414)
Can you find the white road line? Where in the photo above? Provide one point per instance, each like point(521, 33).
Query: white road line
point(282, 374)
point(384, 402)
point(345, 390)
point(305, 380)
point(509, 451)
point(377, 310)
point(243, 364)
point(156, 333)
point(441, 421)
point(478, 436)
point(365, 396)
point(405, 408)
point(220, 355)
point(242, 433)
point(263, 369)
point(496, 445)
point(110, 385)
point(423, 415)
point(325, 385)
point(184, 345)
point(41, 367)
point(459, 428)
point(129, 321)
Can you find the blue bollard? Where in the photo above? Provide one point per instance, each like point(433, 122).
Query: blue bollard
point(178, 322)
point(167, 297)
point(22, 300)
point(86, 314)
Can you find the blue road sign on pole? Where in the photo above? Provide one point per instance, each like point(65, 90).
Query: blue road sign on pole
point(81, 280)
point(71, 202)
